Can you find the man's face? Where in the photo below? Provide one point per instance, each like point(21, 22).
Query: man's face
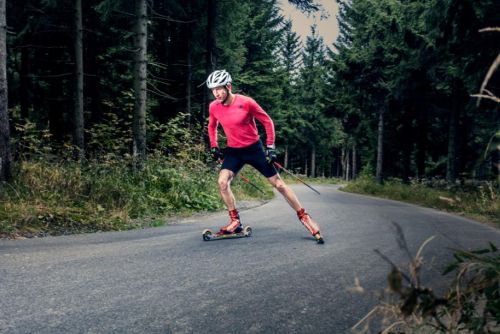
point(221, 92)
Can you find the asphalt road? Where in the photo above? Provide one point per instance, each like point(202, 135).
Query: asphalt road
point(168, 280)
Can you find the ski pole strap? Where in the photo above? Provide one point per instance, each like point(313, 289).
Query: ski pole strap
point(294, 176)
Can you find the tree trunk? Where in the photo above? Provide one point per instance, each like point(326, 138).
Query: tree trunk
point(5, 157)
point(422, 129)
point(342, 162)
point(78, 130)
point(189, 63)
point(407, 143)
point(210, 61)
point(380, 147)
point(211, 24)
point(313, 161)
point(496, 164)
point(347, 164)
point(339, 163)
point(285, 159)
point(92, 79)
point(189, 79)
point(354, 161)
point(452, 137)
point(24, 82)
point(140, 82)
point(57, 108)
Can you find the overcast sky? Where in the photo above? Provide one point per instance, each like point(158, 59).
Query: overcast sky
point(301, 23)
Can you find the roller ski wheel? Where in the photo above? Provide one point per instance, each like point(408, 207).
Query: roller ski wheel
point(319, 239)
point(209, 235)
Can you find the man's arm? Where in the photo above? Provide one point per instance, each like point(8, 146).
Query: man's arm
point(265, 119)
point(212, 130)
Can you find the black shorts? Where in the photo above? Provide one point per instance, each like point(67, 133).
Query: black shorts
point(236, 158)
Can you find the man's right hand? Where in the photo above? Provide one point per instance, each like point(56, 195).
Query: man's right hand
point(216, 154)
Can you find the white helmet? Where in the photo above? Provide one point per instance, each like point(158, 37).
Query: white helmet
point(218, 78)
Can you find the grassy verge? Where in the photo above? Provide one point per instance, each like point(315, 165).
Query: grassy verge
point(481, 202)
point(47, 198)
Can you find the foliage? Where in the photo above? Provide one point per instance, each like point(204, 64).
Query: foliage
point(48, 195)
point(479, 201)
point(419, 61)
point(112, 136)
point(469, 305)
point(382, 49)
point(30, 141)
point(58, 198)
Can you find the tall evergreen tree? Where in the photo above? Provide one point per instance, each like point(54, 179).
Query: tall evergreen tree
point(452, 29)
point(262, 36)
point(287, 119)
point(140, 79)
point(312, 93)
point(5, 157)
point(231, 51)
point(78, 123)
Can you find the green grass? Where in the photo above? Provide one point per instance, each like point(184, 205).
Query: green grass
point(480, 202)
point(47, 198)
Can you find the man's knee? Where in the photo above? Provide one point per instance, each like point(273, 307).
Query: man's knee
point(224, 182)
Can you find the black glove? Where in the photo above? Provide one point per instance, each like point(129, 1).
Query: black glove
point(271, 154)
point(216, 154)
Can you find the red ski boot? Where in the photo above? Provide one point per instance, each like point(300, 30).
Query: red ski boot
point(310, 224)
point(234, 225)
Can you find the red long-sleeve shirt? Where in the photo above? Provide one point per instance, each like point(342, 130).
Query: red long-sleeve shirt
point(238, 122)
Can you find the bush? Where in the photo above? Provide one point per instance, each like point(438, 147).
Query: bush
point(471, 303)
point(65, 197)
point(479, 201)
point(52, 194)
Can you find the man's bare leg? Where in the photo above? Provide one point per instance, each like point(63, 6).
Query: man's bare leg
point(286, 191)
point(293, 201)
point(225, 178)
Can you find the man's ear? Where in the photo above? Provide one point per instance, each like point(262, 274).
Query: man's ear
point(229, 87)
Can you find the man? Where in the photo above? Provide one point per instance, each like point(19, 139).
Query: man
point(237, 114)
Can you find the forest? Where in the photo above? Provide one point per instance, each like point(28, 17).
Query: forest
point(122, 83)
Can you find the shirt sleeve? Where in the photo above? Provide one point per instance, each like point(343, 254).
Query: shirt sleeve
point(263, 118)
point(213, 123)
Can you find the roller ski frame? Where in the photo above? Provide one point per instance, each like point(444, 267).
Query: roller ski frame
point(209, 235)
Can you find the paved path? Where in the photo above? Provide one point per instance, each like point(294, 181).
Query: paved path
point(168, 280)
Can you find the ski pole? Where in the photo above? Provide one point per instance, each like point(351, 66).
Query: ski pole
point(296, 177)
point(246, 180)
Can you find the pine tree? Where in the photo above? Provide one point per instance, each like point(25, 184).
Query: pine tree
point(262, 37)
point(312, 93)
point(140, 80)
point(287, 116)
point(78, 123)
point(5, 157)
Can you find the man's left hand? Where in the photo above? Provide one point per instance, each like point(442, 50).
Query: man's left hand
point(271, 154)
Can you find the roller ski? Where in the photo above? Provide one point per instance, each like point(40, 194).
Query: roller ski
point(310, 225)
point(209, 235)
point(231, 231)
